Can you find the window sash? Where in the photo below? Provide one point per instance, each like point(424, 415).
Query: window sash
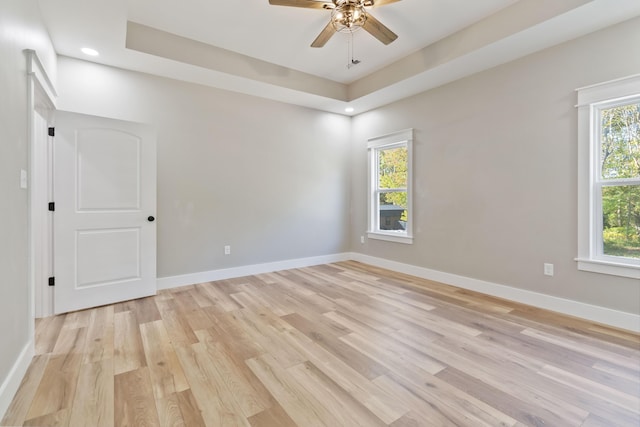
point(596, 237)
point(378, 210)
point(377, 191)
point(597, 233)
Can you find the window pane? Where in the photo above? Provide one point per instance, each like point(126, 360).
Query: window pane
point(620, 144)
point(621, 220)
point(393, 211)
point(392, 167)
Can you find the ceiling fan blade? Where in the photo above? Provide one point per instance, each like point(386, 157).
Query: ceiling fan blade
point(378, 30)
point(324, 36)
point(378, 2)
point(310, 4)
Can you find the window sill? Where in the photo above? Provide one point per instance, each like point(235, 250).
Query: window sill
point(609, 267)
point(391, 237)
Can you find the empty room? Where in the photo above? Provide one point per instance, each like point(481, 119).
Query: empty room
point(320, 213)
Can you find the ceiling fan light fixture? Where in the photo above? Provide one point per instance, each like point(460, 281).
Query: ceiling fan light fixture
point(348, 16)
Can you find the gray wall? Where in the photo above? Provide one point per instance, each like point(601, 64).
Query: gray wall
point(496, 172)
point(20, 28)
point(267, 178)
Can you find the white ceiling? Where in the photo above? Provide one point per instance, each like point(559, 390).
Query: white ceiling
point(252, 47)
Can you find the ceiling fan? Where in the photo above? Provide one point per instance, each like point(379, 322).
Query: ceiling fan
point(346, 16)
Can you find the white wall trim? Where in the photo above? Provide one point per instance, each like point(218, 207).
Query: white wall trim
point(247, 270)
point(37, 70)
point(11, 383)
point(41, 96)
point(618, 319)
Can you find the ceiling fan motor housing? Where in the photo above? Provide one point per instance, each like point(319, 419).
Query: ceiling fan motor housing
point(348, 15)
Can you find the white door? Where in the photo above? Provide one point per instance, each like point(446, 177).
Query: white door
point(105, 201)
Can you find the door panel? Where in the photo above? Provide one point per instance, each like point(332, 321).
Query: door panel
point(108, 168)
point(104, 189)
point(105, 257)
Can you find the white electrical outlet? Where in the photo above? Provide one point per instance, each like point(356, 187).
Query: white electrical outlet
point(548, 269)
point(227, 250)
point(361, 239)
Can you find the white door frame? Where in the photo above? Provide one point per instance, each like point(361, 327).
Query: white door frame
point(40, 101)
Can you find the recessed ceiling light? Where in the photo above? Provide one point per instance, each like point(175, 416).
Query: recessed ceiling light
point(89, 51)
point(349, 110)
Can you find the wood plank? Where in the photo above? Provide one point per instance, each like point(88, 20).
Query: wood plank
point(47, 331)
point(128, 352)
point(144, 309)
point(609, 394)
point(217, 405)
point(71, 340)
point(94, 401)
point(326, 338)
point(272, 417)
point(100, 335)
point(528, 412)
point(236, 333)
point(134, 402)
point(185, 300)
point(169, 413)
point(377, 400)
point(347, 409)
point(301, 407)
point(521, 381)
point(249, 394)
point(191, 413)
point(77, 319)
point(17, 411)
point(167, 376)
point(178, 328)
point(56, 419)
point(396, 357)
point(222, 300)
point(621, 357)
point(435, 413)
point(400, 337)
point(455, 403)
point(277, 303)
point(57, 387)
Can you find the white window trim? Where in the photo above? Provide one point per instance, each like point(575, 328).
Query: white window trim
point(591, 99)
point(400, 138)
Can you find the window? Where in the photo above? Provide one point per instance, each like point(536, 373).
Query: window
point(609, 178)
point(390, 187)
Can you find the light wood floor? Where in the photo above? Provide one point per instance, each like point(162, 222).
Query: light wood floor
point(335, 345)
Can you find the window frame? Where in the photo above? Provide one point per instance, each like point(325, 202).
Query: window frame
point(591, 101)
point(398, 139)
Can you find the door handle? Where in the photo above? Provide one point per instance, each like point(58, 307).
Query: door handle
point(151, 219)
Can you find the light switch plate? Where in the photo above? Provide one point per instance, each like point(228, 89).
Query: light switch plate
point(23, 178)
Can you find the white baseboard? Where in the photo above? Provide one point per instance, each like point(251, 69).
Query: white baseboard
point(248, 270)
point(594, 313)
point(10, 384)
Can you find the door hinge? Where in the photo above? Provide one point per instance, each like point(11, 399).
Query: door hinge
point(52, 281)
point(52, 131)
point(52, 206)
